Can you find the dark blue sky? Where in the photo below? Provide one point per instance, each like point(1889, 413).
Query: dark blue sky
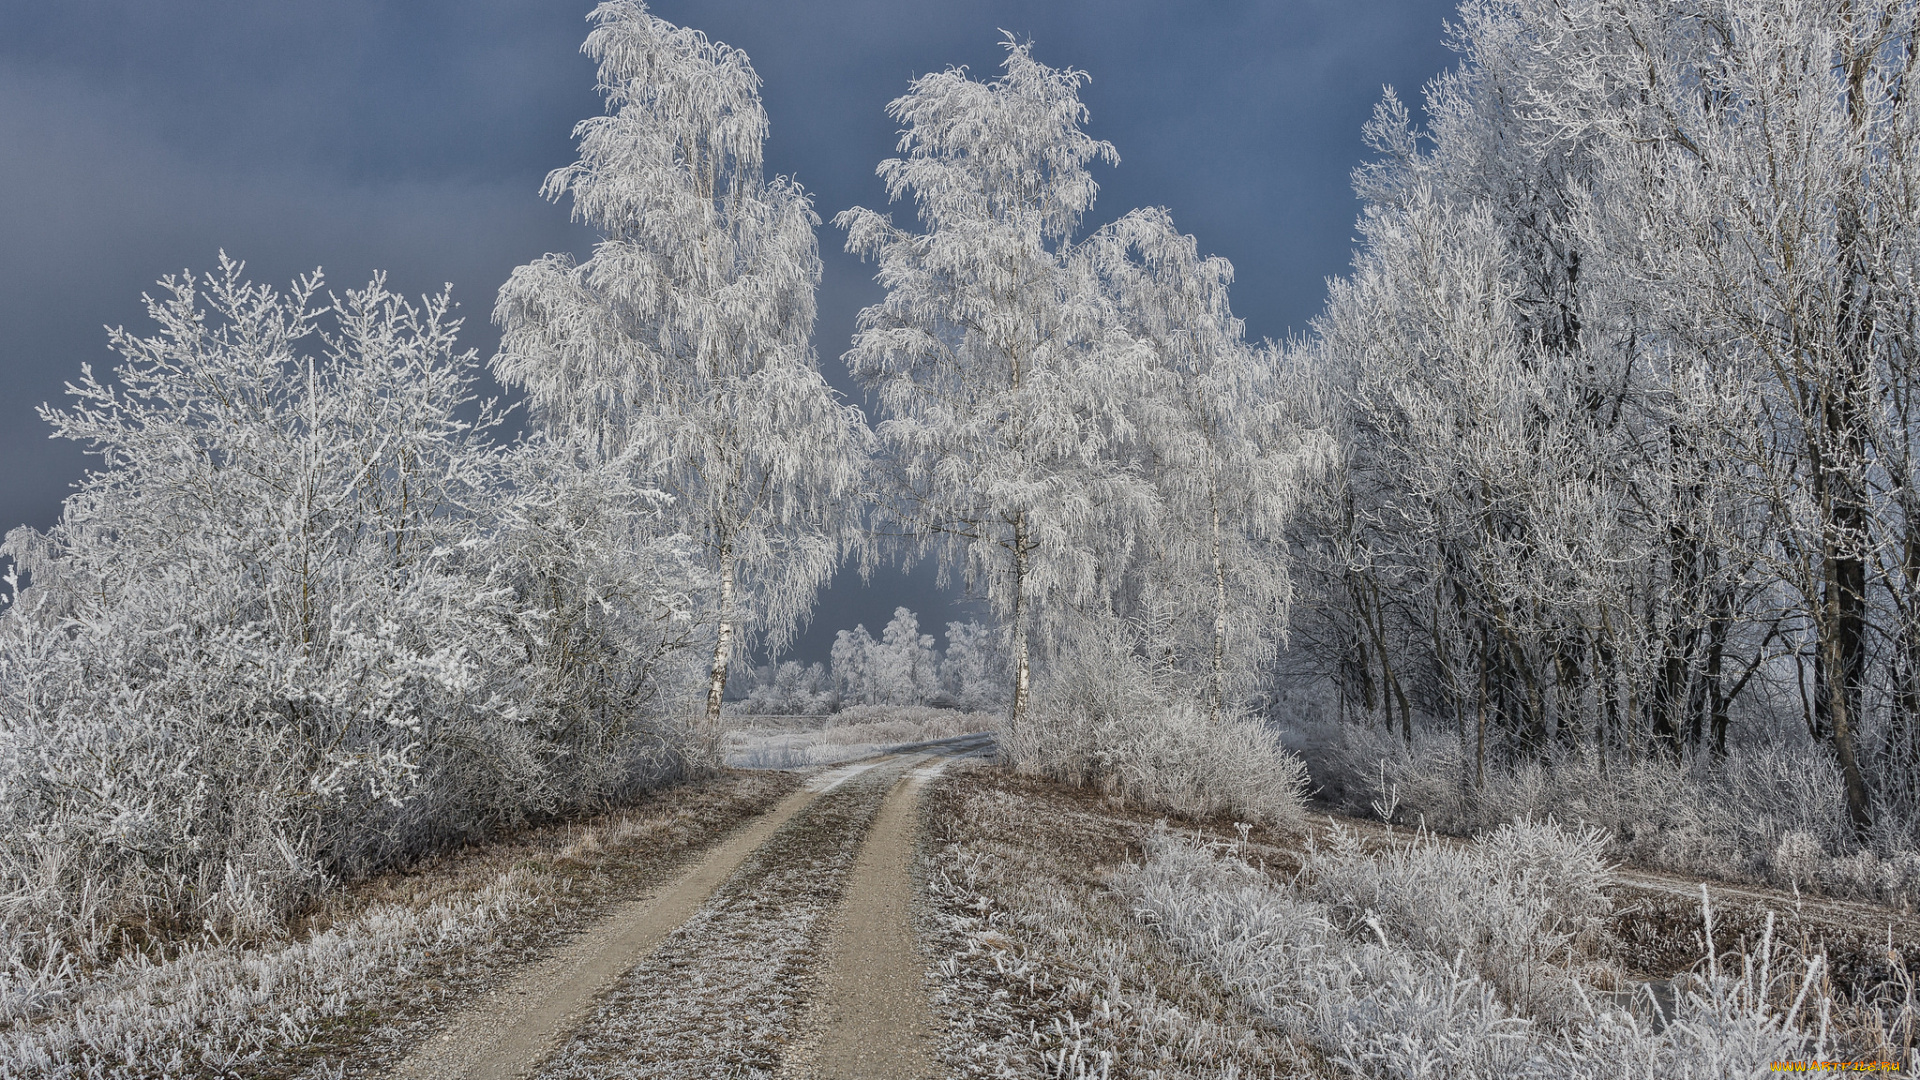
point(139, 138)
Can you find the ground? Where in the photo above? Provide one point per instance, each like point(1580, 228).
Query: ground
point(921, 913)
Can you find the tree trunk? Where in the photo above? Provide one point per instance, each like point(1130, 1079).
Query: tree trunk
point(1480, 744)
point(1844, 650)
point(1020, 664)
point(723, 647)
point(1905, 734)
point(1717, 703)
point(1390, 690)
point(1841, 450)
point(1217, 692)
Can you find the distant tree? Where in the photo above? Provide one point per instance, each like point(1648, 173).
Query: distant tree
point(791, 689)
point(902, 668)
point(995, 413)
point(973, 668)
point(682, 344)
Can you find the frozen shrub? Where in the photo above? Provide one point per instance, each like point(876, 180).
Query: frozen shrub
point(1797, 858)
point(306, 621)
point(1100, 719)
point(1518, 905)
point(1378, 993)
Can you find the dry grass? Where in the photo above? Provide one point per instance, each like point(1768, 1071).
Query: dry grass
point(798, 742)
point(1074, 938)
point(369, 973)
point(1771, 813)
point(1041, 967)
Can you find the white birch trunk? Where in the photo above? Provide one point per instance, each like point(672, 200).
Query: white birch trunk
point(1020, 664)
point(723, 647)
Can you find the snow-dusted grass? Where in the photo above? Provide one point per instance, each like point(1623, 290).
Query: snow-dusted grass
point(1772, 814)
point(772, 742)
point(399, 950)
point(1434, 960)
point(1041, 968)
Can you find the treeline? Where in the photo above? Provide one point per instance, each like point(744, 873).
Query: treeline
point(1623, 382)
point(901, 667)
point(312, 615)
point(1602, 455)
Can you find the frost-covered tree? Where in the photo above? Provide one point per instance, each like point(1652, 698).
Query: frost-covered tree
point(973, 668)
point(682, 344)
point(997, 416)
point(1625, 365)
point(791, 689)
point(305, 619)
point(1212, 435)
point(902, 668)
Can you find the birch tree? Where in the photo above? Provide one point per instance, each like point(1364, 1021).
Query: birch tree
point(682, 342)
point(1214, 443)
point(998, 423)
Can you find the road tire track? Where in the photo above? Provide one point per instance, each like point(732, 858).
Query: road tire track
point(516, 1025)
point(873, 1019)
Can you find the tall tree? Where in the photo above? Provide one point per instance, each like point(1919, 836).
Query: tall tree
point(683, 342)
point(997, 417)
point(1211, 438)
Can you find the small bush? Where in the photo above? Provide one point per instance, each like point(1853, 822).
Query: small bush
point(1100, 719)
point(1519, 906)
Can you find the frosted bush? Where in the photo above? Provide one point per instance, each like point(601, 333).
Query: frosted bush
point(306, 621)
point(1377, 993)
point(1100, 719)
point(1518, 905)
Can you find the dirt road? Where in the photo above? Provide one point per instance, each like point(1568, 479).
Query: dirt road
point(871, 1021)
point(870, 1015)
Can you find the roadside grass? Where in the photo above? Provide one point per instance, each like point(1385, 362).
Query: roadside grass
point(1042, 969)
point(1077, 938)
point(369, 972)
point(1439, 960)
point(1772, 812)
point(1654, 933)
